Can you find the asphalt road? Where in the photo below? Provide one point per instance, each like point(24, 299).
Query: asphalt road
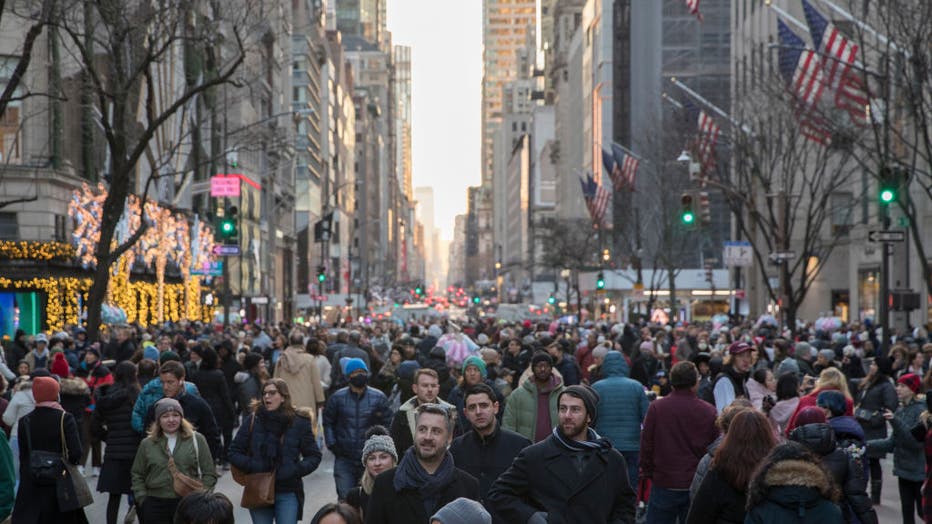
point(319, 490)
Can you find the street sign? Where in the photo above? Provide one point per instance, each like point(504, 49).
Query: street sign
point(780, 256)
point(740, 294)
point(213, 269)
point(221, 250)
point(259, 300)
point(738, 254)
point(224, 185)
point(886, 236)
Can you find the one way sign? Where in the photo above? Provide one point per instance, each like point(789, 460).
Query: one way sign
point(738, 254)
point(890, 235)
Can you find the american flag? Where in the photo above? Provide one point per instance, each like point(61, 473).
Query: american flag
point(802, 70)
point(839, 55)
point(705, 142)
point(612, 168)
point(629, 165)
point(596, 197)
point(693, 6)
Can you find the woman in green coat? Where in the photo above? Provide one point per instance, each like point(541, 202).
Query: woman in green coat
point(170, 436)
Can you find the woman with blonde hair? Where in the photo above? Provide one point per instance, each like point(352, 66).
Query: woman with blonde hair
point(378, 455)
point(277, 437)
point(171, 447)
point(830, 379)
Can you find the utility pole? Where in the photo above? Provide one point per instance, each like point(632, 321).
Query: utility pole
point(885, 283)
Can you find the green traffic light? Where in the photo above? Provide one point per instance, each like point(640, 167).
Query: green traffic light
point(688, 217)
point(475, 300)
point(600, 284)
point(417, 291)
point(551, 300)
point(321, 277)
point(887, 196)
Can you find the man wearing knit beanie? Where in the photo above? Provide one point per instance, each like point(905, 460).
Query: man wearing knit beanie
point(462, 511)
point(545, 483)
point(531, 409)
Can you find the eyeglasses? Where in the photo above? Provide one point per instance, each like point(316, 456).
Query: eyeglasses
point(270, 393)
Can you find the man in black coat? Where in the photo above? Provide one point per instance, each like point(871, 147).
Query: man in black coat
point(572, 476)
point(196, 410)
point(488, 450)
point(425, 480)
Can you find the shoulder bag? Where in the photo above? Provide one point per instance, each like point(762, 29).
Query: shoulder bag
point(258, 488)
point(183, 484)
point(46, 467)
point(71, 489)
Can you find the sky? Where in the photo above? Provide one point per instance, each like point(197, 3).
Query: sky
point(446, 55)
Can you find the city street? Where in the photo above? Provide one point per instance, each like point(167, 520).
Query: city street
point(319, 490)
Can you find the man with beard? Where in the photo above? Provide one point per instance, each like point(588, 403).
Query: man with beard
point(573, 476)
point(488, 450)
point(426, 388)
point(731, 383)
point(531, 409)
point(425, 480)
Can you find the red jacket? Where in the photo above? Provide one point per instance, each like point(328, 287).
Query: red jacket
point(677, 432)
point(808, 401)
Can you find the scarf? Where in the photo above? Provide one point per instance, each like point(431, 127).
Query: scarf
point(411, 475)
point(275, 424)
point(593, 441)
point(50, 404)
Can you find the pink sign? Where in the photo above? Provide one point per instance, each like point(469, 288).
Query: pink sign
point(224, 185)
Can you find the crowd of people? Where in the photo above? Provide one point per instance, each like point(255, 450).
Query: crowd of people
point(490, 421)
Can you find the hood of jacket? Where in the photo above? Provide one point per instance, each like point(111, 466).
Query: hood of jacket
point(614, 365)
point(792, 484)
point(820, 438)
point(555, 382)
point(240, 377)
point(846, 427)
point(74, 386)
point(293, 360)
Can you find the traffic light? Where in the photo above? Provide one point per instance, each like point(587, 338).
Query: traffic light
point(600, 281)
point(606, 255)
point(418, 291)
point(552, 299)
point(687, 214)
point(705, 208)
point(321, 274)
point(228, 226)
point(476, 299)
point(891, 180)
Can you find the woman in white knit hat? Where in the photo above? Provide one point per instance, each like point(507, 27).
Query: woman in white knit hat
point(378, 455)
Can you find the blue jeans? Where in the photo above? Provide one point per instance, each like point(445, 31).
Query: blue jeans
point(632, 459)
point(285, 510)
point(346, 474)
point(666, 506)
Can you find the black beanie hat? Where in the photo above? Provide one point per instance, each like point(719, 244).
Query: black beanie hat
point(541, 356)
point(589, 397)
point(884, 365)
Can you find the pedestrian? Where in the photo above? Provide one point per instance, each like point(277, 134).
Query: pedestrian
point(731, 382)
point(212, 384)
point(426, 478)
point(278, 437)
point(462, 511)
point(348, 414)
point(564, 362)
point(722, 494)
point(318, 350)
point(678, 430)
point(7, 478)
point(723, 422)
point(787, 400)
point(847, 471)
point(847, 431)
point(113, 412)
point(386, 378)
point(204, 508)
point(21, 404)
point(349, 350)
point(39, 356)
point(908, 453)
point(531, 409)
point(336, 513)
point(378, 455)
point(474, 372)
point(300, 371)
point(761, 385)
point(249, 382)
point(426, 389)
point(197, 411)
point(573, 476)
point(875, 394)
point(487, 450)
point(96, 375)
point(830, 379)
point(622, 408)
point(172, 443)
point(517, 358)
point(43, 430)
point(792, 486)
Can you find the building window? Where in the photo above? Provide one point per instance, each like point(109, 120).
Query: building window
point(10, 120)
point(60, 228)
point(842, 210)
point(9, 229)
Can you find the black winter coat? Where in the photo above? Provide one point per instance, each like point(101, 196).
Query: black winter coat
point(847, 474)
point(386, 506)
point(716, 502)
point(39, 504)
point(299, 455)
point(197, 412)
point(247, 390)
point(347, 416)
point(543, 477)
point(456, 397)
point(213, 388)
point(75, 397)
point(115, 410)
point(119, 351)
point(880, 396)
point(487, 458)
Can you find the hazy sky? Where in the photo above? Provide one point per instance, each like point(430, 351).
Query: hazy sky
point(446, 55)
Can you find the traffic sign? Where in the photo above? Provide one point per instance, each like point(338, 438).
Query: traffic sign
point(890, 235)
point(738, 254)
point(222, 250)
point(225, 186)
point(780, 256)
point(213, 269)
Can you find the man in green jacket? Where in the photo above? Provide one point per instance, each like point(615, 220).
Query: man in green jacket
point(531, 409)
point(7, 478)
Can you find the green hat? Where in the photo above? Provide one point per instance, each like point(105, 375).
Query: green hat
point(478, 362)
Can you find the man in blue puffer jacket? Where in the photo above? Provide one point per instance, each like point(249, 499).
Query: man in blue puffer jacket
point(348, 414)
point(622, 407)
point(151, 393)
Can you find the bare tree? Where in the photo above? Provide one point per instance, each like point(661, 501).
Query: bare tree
point(571, 245)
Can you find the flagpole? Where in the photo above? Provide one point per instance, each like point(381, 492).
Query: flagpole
point(876, 34)
point(711, 106)
point(786, 15)
point(672, 101)
point(628, 151)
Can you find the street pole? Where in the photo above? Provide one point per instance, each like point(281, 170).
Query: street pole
point(226, 275)
point(885, 284)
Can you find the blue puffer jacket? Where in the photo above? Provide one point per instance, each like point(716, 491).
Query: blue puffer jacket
point(298, 456)
point(150, 394)
point(348, 415)
point(908, 453)
point(622, 404)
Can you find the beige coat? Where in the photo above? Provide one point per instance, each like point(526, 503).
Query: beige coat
point(299, 370)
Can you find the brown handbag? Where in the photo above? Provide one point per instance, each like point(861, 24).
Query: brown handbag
point(183, 484)
point(258, 488)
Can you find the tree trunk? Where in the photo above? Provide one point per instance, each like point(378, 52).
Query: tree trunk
point(674, 312)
